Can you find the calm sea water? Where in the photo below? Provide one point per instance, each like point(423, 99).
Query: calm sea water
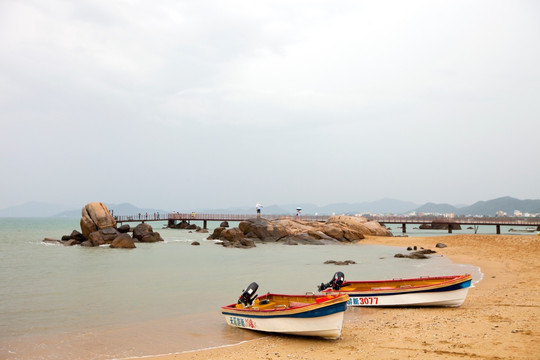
point(61, 302)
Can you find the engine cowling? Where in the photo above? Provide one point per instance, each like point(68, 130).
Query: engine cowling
point(337, 281)
point(249, 294)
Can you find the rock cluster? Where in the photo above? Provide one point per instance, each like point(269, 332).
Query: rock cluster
point(98, 227)
point(294, 231)
point(419, 254)
point(185, 225)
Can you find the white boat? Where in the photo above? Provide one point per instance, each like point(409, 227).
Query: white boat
point(424, 291)
point(306, 315)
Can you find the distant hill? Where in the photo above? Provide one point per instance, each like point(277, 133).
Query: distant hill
point(437, 208)
point(506, 204)
point(383, 206)
point(485, 208)
point(32, 209)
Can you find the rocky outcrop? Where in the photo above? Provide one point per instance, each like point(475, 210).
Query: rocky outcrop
point(98, 227)
point(294, 231)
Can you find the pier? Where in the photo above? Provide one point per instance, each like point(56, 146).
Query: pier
point(172, 218)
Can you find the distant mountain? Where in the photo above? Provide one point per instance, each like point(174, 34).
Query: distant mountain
point(383, 206)
point(506, 204)
point(32, 209)
point(433, 208)
point(484, 208)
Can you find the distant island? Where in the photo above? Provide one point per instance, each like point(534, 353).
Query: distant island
point(504, 206)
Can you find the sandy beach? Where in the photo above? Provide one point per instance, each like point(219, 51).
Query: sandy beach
point(499, 319)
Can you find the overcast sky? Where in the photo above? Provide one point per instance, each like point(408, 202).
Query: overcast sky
point(188, 104)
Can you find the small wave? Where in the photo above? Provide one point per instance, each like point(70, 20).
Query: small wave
point(177, 241)
point(192, 351)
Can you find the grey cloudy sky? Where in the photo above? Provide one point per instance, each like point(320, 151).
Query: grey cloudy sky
point(184, 104)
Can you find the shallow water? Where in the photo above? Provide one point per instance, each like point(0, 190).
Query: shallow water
point(61, 302)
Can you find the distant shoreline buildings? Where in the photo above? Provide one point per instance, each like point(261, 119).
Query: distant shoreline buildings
point(500, 213)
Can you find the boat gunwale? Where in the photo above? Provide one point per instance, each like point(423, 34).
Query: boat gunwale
point(282, 311)
point(451, 280)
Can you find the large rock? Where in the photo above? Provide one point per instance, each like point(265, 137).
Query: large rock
point(235, 238)
point(144, 233)
point(359, 224)
point(216, 234)
point(95, 216)
point(123, 241)
point(263, 229)
point(103, 236)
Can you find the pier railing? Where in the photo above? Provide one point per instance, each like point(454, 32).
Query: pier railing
point(498, 221)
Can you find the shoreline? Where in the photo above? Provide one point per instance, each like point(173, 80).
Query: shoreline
point(500, 317)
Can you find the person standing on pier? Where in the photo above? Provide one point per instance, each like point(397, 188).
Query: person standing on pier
point(258, 207)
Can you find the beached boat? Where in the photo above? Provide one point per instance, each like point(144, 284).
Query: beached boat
point(307, 315)
point(423, 291)
point(527, 229)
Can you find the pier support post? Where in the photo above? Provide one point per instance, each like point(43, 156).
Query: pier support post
point(205, 224)
point(404, 228)
point(449, 228)
point(498, 227)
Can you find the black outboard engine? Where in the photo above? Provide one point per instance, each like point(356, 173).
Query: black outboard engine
point(248, 295)
point(335, 283)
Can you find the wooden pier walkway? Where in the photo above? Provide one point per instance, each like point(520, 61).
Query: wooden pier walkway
point(403, 220)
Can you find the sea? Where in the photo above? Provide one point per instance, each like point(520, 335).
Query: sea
point(59, 302)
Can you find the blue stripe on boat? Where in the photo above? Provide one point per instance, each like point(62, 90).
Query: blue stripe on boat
point(327, 310)
point(461, 285)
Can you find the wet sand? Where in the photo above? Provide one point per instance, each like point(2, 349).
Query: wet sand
point(500, 318)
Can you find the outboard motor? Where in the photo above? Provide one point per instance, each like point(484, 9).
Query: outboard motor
point(248, 295)
point(336, 282)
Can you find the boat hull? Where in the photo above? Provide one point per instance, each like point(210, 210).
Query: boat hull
point(323, 319)
point(452, 298)
point(439, 291)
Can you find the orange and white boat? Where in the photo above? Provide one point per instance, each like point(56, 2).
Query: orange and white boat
point(306, 315)
point(422, 291)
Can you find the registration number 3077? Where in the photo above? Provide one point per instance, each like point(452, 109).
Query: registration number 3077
point(363, 301)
